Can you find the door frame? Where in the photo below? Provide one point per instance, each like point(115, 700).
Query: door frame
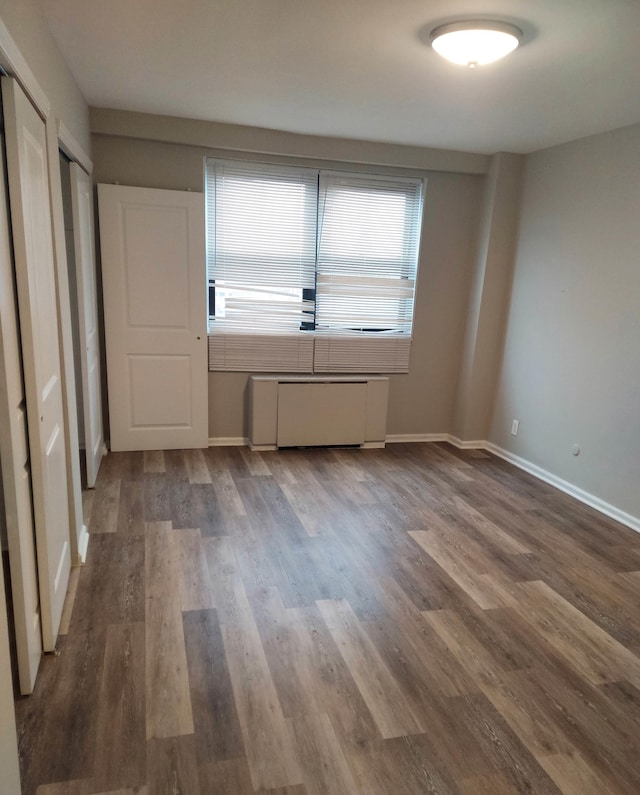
point(78, 530)
point(81, 190)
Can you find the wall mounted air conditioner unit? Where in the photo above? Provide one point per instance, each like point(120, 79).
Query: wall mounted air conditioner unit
point(310, 411)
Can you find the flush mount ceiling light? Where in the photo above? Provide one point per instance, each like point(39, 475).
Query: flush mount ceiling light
point(475, 42)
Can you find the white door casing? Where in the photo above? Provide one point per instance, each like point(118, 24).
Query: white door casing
point(78, 533)
point(154, 285)
point(16, 476)
point(82, 204)
point(27, 168)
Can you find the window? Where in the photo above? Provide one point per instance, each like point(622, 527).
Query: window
point(261, 246)
point(367, 254)
point(310, 270)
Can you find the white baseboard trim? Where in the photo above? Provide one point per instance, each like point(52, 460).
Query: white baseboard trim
point(627, 519)
point(228, 441)
point(416, 437)
point(83, 544)
point(574, 491)
point(477, 444)
point(372, 446)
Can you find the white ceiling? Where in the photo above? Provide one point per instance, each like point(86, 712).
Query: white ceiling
point(360, 68)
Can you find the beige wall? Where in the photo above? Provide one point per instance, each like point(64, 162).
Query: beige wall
point(489, 298)
point(257, 140)
point(571, 366)
point(420, 402)
point(423, 400)
point(29, 31)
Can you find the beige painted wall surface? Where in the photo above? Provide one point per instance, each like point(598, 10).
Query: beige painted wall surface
point(571, 366)
point(29, 30)
point(489, 298)
point(420, 402)
point(423, 400)
point(240, 138)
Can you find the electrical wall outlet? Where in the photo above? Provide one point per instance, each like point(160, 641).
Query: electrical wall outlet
point(514, 427)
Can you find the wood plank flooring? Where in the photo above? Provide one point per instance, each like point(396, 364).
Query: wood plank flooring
point(377, 622)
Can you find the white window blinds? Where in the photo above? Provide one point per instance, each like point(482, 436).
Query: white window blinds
point(294, 251)
point(261, 246)
point(368, 243)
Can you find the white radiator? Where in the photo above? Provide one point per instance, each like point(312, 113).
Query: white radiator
point(306, 411)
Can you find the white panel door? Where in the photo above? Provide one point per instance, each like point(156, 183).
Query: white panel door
point(154, 285)
point(35, 275)
point(16, 476)
point(82, 204)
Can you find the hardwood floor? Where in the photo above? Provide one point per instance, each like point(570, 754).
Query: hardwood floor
point(386, 622)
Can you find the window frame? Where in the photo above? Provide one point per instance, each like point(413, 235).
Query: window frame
point(363, 340)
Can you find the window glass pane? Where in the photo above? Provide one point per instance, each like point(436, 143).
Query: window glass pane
point(235, 296)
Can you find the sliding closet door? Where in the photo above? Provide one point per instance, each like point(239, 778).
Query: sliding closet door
point(82, 203)
point(16, 476)
point(35, 274)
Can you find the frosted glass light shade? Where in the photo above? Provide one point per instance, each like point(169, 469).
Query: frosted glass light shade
point(476, 42)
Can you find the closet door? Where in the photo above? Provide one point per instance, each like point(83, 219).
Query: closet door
point(16, 477)
point(35, 275)
point(82, 203)
point(154, 283)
